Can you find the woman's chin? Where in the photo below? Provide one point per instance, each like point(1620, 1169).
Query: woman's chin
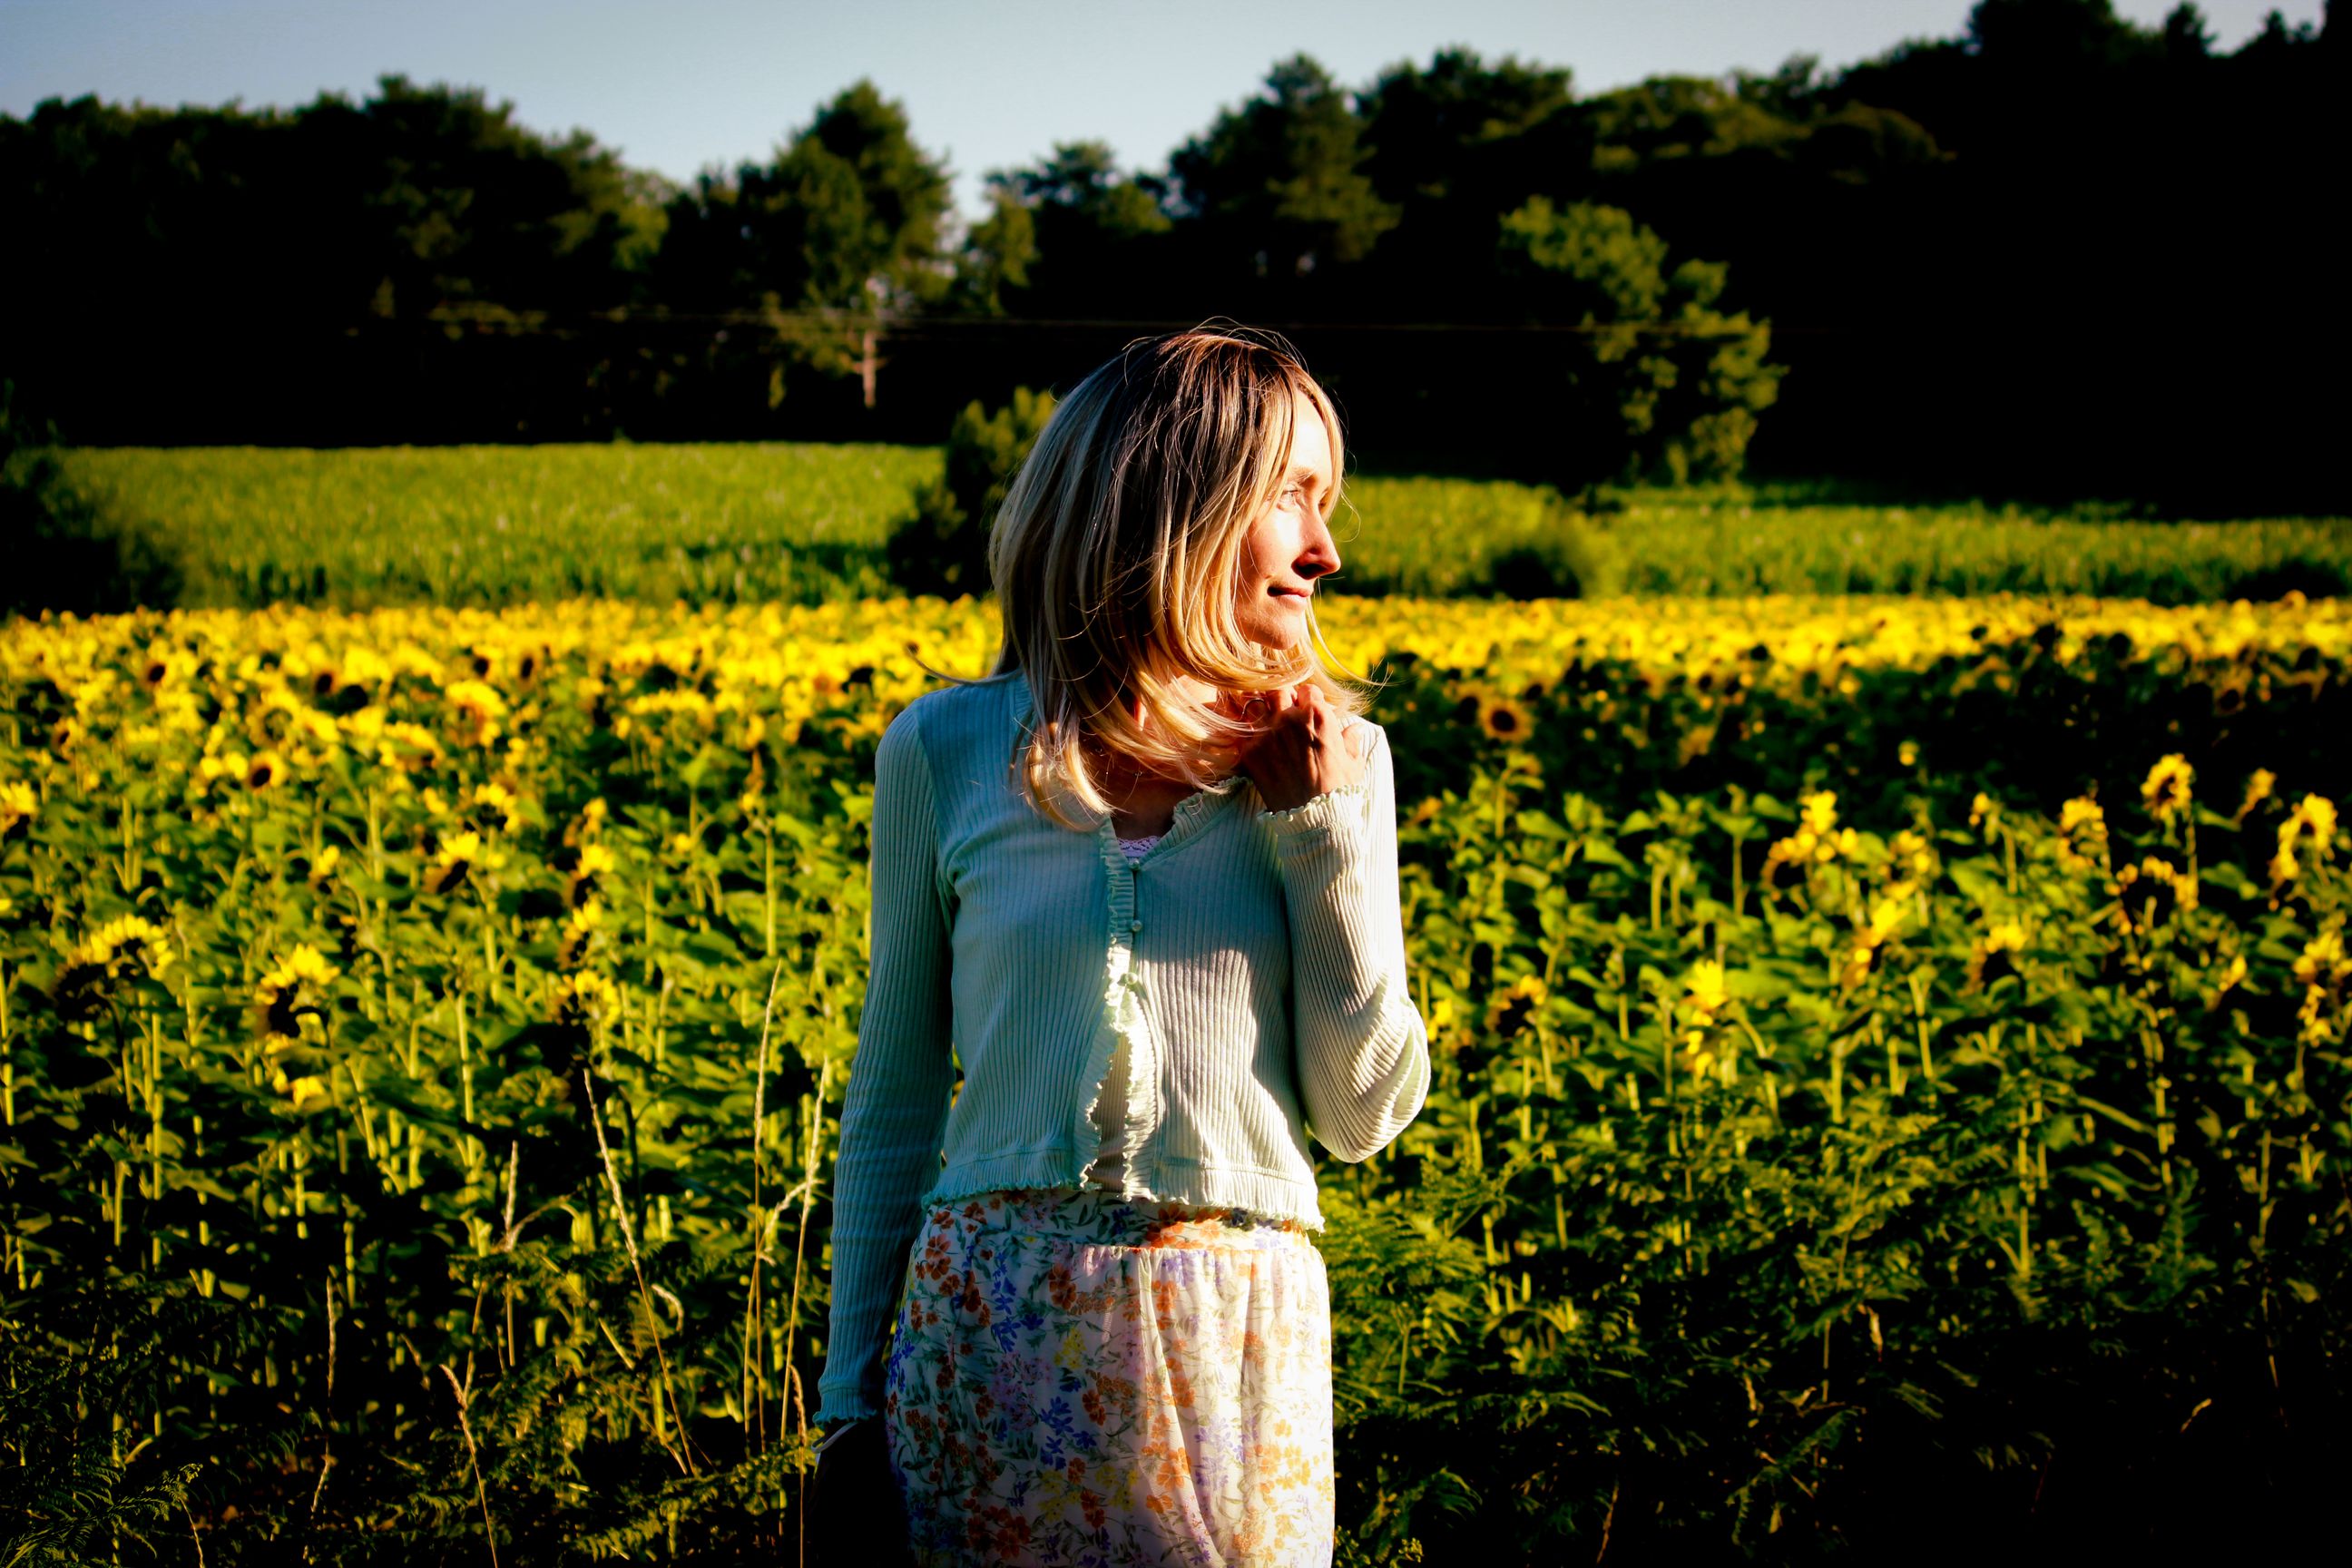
point(1281, 632)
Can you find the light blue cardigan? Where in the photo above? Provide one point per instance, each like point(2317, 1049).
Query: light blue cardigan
point(1255, 961)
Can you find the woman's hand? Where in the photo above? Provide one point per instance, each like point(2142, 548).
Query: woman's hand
point(1306, 751)
point(858, 1516)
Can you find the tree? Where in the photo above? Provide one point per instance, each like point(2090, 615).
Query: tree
point(841, 235)
point(1463, 131)
point(1655, 382)
point(1454, 147)
point(473, 216)
point(2053, 37)
point(996, 256)
point(2187, 34)
point(1281, 179)
point(1093, 232)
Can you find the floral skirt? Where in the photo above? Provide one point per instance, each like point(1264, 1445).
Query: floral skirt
point(1075, 1379)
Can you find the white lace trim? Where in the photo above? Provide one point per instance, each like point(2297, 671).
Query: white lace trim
point(1357, 791)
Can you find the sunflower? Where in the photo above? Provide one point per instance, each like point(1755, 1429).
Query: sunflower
point(1820, 812)
point(127, 947)
point(1913, 857)
point(2326, 975)
point(585, 996)
point(580, 926)
point(495, 800)
point(1508, 1012)
point(592, 862)
point(1704, 994)
point(2313, 820)
point(478, 709)
point(292, 992)
point(411, 748)
point(2082, 832)
point(1506, 719)
point(460, 852)
point(2232, 974)
point(1995, 954)
point(18, 806)
point(589, 824)
point(2316, 814)
point(265, 769)
point(2157, 888)
point(2258, 790)
point(1869, 935)
point(2166, 788)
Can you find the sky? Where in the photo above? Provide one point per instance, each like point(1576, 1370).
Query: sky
point(681, 85)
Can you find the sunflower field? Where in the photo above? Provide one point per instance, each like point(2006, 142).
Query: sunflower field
point(1890, 1057)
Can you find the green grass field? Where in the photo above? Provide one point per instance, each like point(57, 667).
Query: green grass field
point(499, 525)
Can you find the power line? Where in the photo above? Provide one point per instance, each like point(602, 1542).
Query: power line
point(919, 326)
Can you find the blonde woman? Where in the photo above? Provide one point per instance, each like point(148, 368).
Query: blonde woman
point(1142, 879)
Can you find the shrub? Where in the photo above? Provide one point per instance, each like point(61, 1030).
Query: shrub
point(943, 549)
point(65, 552)
point(1569, 558)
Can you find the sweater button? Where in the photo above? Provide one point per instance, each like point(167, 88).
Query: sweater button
point(1135, 925)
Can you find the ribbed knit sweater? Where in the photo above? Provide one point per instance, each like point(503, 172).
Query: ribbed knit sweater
point(1251, 962)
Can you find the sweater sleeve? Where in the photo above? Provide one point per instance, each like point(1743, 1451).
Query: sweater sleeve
point(1362, 1048)
point(896, 1106)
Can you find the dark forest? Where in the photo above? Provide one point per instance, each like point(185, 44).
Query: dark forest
point(2061, 256)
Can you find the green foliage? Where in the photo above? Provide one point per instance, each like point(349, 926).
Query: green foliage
point(1079, 229)
point(90, 1371)
point(1730, 541)
point(1283, 173)
point(843, 231)
point(1657, 382)
point(421, 202)
point(997, 255)
point(65, 551)
point(459, 277)
point(1825, 1116)
point(732, 522)
point(1867, 1218)
point(1467, 537)
point(944, 549)
point(500, 526)
point(1462, 142)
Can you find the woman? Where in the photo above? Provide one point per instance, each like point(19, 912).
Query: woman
point(1143, 878)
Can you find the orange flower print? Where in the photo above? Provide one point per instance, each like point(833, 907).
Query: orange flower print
point(1066, 1383)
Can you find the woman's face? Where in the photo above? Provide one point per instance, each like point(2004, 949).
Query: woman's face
point(1289, 547)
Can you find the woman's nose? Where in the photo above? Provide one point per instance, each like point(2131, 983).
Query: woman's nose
point(1322, 556)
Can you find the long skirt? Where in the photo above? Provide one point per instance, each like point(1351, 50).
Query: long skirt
point(1077, 1380)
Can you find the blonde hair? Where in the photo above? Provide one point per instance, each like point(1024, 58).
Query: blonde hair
point(1117, 550)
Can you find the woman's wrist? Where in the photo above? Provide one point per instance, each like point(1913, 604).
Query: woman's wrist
point(836, 1428)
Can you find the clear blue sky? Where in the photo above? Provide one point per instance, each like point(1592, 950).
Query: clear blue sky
point(681, 84)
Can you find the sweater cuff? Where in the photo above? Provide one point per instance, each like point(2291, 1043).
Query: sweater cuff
point(1322, 811)
point(840, 1409)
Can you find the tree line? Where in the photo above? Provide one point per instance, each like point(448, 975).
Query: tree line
point(2059, 255)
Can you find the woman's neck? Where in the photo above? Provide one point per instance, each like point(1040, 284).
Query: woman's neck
point(1119, 771)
